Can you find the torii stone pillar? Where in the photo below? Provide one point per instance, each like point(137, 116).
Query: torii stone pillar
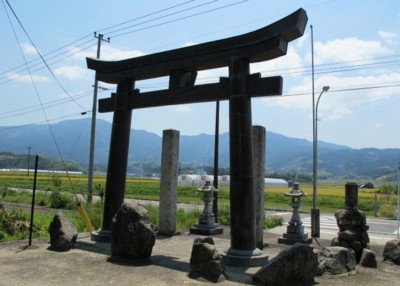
point(118, 158)
point(259, 181)
point(169, 182)
point(243, 250)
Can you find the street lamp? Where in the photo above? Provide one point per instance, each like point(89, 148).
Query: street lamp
point(315, 229)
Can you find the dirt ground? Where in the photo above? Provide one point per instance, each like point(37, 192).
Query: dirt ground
point(89, 264)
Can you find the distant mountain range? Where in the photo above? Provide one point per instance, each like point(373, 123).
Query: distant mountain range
point(283, 154)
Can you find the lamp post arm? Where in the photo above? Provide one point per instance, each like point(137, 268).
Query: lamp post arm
point(316, 106)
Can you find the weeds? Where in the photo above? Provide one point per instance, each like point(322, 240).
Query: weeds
point(60, 200)
point(14, 225)
point(272, 221)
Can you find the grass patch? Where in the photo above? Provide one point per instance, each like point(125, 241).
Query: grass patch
point(272, 221)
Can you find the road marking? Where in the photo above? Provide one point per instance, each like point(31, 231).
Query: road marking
point(325, 222)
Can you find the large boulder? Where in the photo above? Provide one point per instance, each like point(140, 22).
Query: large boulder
point(132, 235)
point(206, 261)
point(296, 265)
point(336, 260)
point(63, 233)
point(391, 252)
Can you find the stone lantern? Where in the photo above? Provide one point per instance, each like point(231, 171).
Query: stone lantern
point(207, 225)
point(295, 229)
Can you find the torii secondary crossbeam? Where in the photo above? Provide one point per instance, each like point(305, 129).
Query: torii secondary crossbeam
point(181, 66)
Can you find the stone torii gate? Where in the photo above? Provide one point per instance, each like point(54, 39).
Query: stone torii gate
point(182, 65)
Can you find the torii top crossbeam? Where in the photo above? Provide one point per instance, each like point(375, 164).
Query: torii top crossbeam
point(264, 44)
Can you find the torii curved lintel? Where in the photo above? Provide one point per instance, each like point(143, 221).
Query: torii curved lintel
point(264, 44)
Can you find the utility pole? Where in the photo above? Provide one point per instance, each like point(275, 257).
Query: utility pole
point(93, 128)
point(29, 157)
point(216, 154)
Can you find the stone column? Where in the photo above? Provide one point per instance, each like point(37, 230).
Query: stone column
point(243, 251)
point(117, 160)
point(259, 181)
point(169, 182)
point(351, 196)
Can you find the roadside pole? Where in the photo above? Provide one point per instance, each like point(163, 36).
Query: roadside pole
point(398, 201)
point(93, 126)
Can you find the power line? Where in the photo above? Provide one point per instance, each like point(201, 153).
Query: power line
point(147, 15)
point(41, 65)
point(22, 67)
point(37, 51)
point(179, 19)
point(6, 77)
point(42, 121)
point(46, 105)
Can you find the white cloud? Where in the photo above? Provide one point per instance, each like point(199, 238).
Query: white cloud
point(71, 72)
point(300, 42)
point(289, 63)
point(28, 49)
point(378, 125)
point(335, 103)
point(389, 37)
point(347, 50)
point(27, 78)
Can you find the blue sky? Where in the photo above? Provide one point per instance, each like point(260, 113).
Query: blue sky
point(356, 53)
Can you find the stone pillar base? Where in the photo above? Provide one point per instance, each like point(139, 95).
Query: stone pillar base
point(101, 235)
point(206, 229)
point(292, 238)
point(246, 258)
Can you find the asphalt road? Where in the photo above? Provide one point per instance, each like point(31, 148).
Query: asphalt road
point(328, 221)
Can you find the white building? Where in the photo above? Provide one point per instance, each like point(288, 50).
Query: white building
point(223, 181)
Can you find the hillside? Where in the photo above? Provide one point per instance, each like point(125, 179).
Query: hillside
point(283, 154)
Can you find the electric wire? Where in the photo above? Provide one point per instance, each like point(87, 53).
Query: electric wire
point(47, 105)
point(145, 16)
point(179, 19)
point(40, 55)
point(343, 69)
point(40, 101)
point(4, 128)
point(51, 61)
point(22, 67)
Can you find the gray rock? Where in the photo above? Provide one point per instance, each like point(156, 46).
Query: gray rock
point(368, 259)
point(63, 233)
point(351, 219)
point(132, 235)
point(391, 251)
point(206, 261)
point(353, 231)
point(337, 260)
point(296, 265)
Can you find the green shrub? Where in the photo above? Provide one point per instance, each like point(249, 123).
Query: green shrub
point(224, 215)
point(153, 213)
point(387, 189)
point(56, 179)
point(386, 210)
point(365, 206)
point(59, 200)
point(272, 221)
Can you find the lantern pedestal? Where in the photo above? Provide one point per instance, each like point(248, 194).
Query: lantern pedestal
point(207, 225)
point(295, 229)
